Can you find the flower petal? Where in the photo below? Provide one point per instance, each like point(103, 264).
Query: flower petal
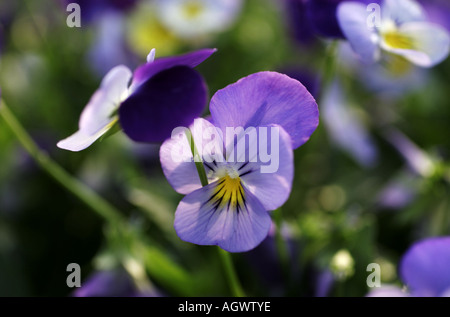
point(424, 268)
point(146, 71)
point(177, 159)
point(346, 129)
point(267, 98)
point(430, 43)
point(269, 175)
point(402, 11)
point(98, 112)
point(169, 99)
point(387, 291)
point(194, 19)
point(80, 140)
point(352, 18)
point(198, 220)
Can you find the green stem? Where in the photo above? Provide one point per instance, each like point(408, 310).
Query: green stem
point(329, 67)
point(89, 197)
point(225, 257)
point(197, 159)
point(227, 263)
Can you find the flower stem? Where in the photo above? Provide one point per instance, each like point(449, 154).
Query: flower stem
point(235, 285)
point(89, 197)
point(197, 159)
point(225, 257)
point(329, 67)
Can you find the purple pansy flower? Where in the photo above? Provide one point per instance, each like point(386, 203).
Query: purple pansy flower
point(403, 30)
point(424, 270)
point(164, 93)
point(232, 210)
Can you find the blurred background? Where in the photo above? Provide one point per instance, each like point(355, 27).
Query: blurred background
point(373, 178)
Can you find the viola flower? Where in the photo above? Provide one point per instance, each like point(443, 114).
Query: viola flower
point(392, 75)
point(403, 30)
point(164, 93)
point(232, 210)
point(196, 18)
point(423, 269)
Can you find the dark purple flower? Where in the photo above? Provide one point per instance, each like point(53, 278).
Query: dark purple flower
point(91, 9)
point(164, 93)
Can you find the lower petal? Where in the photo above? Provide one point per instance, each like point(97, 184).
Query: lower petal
point(428, 43)
point(202, 220)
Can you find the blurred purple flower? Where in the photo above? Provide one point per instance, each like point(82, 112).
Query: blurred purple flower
point(309, 19)
point(232, 210)
point(93, 9)
point(164, 93)
point(418, 161)
point(403, 30)
point(392, 75)
point(109, 47)
point(111, 283)
point(423, 269)
point(346, 129)
point(399, 191)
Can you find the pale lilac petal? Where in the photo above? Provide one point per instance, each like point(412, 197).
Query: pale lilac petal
point(80, 140)
point(352, 18)
point(430, 43)
point(198, 221)
point(267, 98)
point(176, 155)
point(425, 267)
point(97, 114)
point(402, 11)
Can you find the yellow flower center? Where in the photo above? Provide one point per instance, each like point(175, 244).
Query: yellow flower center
point(229, 192)
point(193, 9)
point(397, 40)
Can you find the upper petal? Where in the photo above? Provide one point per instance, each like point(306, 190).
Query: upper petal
point(176, 155)
point(402, 11)
point(171, 98)
point(203, 219)
point(146, 71)
point(352, 18)
point(267, 98)
point(98, 112)
point(424, 268)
